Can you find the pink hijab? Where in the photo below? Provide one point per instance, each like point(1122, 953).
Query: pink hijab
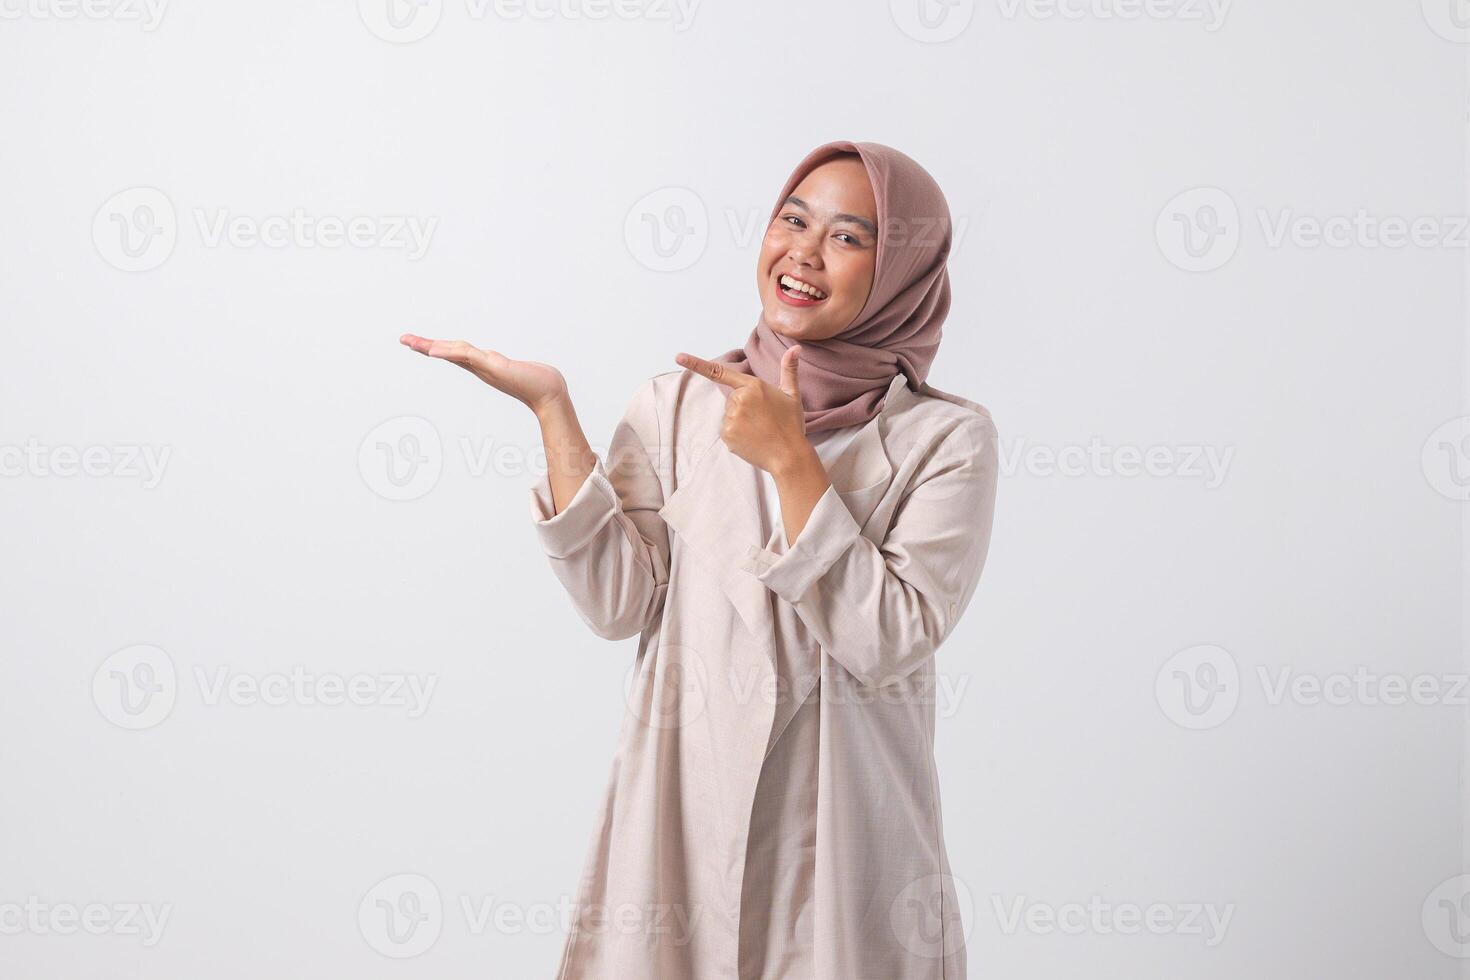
point(844, 379)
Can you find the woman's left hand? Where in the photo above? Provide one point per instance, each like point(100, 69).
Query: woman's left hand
point(764, 424)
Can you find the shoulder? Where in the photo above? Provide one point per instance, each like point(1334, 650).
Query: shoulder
point(954, 406)
point(679, 393)
point(674, 401)
point(939, 423)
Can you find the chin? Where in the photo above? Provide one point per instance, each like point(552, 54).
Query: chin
point(796, 331)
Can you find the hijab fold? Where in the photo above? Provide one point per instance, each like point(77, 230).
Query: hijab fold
point(844, 379)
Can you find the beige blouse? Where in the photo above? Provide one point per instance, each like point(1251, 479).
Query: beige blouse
point(773, 808)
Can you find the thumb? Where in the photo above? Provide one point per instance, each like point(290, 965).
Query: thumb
point(789, 361)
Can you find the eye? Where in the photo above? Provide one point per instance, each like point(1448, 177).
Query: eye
point(794, 220)
point(848, 237)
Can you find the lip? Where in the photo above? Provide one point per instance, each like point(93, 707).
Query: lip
point(790, 300)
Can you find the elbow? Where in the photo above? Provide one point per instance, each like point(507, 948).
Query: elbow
point(628, 619)
point(886, 657)
point(614, 629)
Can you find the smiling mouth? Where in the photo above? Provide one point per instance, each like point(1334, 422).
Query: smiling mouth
point(795, 291)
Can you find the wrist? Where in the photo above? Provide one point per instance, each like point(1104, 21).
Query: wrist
point(552, 407)
point(799, 461)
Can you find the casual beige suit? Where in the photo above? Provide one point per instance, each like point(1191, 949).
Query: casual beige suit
point(773, 810)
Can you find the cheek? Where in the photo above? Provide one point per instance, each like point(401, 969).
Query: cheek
point(855, 279)
point(772, 247)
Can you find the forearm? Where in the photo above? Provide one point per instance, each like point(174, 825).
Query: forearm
point(569, 457)
point(800, 483)
point(599, 524)
point(879, 611)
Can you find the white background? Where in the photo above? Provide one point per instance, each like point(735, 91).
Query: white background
point(1332, 540)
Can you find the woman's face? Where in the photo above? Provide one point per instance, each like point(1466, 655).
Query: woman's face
point(826, 236)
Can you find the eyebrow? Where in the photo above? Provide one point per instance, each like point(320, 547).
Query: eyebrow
point(861, 222)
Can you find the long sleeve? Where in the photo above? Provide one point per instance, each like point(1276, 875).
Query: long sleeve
point(881, 611)
point(609, 546)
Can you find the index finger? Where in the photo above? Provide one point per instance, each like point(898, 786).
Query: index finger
point(715, 371)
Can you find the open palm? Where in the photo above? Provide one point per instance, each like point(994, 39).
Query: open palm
point(531, 382)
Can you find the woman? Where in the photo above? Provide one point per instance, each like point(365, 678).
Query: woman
point(793, 528)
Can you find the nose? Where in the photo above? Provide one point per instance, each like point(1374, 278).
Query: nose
point(805, 251)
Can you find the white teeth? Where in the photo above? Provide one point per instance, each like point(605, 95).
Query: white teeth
point(804, 287)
